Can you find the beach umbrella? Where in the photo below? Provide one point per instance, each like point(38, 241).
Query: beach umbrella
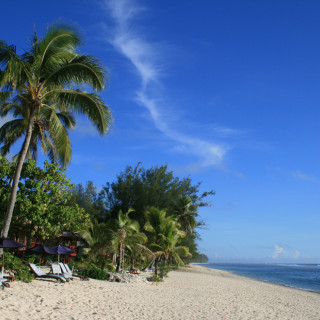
point(41, 249)
point(6, 243)
point(61, 250)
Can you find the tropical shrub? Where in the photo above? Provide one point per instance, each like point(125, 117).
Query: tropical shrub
point(18, 267)
point(95, 272)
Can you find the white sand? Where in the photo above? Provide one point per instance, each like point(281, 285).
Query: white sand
point(195, 293)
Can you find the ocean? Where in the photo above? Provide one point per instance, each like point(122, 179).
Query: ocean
point(302, 276)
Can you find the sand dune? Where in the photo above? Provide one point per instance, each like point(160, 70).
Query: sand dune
point(191, 293)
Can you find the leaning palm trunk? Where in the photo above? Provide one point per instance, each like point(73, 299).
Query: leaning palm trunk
point(16, 178)
point(45, 79)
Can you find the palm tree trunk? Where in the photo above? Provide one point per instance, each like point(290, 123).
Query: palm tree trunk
point(118, 263)
point(114, 258)
point(156, 266)
point(16, 178)
point(164, 267)
point(120, 258)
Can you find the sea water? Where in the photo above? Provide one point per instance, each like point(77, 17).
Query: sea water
point(302, 276)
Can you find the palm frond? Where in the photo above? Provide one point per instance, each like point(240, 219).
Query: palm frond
point(81, 69)
point(85, 103)
point(58, 38)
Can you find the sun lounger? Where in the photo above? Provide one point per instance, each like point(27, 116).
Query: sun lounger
point(41, 274)
point(7, 276)
point(56, 269)
point(65, 268)
point(4, 283)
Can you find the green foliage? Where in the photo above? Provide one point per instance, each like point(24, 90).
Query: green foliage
point(200, 258)
point(41, 206)
point(43, 85)
point(166, 236)
point(6, 173)
point(95, 272)
point(42, 82)
point(86, 197)
point(140, 189)
point(18, 267)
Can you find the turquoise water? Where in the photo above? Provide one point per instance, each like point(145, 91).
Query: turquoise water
point(302, 276)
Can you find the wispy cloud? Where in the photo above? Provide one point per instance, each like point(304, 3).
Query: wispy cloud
point(298, 175)
point(302, 176)
point(145, 57)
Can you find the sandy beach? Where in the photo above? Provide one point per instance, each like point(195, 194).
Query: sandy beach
point(190, 293)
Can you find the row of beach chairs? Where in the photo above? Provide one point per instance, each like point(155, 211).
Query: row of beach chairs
point(59, 271)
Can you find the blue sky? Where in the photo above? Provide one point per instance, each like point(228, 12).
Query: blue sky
point(226, 92)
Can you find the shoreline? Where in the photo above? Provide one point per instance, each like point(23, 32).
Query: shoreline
point(255, 279)
point(194, 292)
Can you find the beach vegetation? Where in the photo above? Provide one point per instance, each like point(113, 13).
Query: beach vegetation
point(166, 237)
point(42, 209)
point(94, 272)
point(42, 83)
point(18, 267)
point(49, 205)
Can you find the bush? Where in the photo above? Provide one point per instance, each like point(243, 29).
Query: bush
point(18, 267)
point(94, 272)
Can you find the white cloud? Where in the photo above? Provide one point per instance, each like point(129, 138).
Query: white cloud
point(144, 56)
point(285, 251)
point(278, 251)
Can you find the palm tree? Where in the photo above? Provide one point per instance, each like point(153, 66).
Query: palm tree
point(98, 238)
point(47, 78)
point(125, 230)
point(49, 130)
point(186, 213)
point(166, 236)
point(155, 221)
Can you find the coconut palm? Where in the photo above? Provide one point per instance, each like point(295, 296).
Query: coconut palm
point(155, 221)
point(125, 231)
point(47, 77)
point(49, 130)
point(98, 239)
point(166, 237)
point(186, 213)
point(168, 247)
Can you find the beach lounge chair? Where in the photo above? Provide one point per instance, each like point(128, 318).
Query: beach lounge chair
point(4, 283)
point(56, 269)
point(65, 268)
point(7, 276)
point(41, 274)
